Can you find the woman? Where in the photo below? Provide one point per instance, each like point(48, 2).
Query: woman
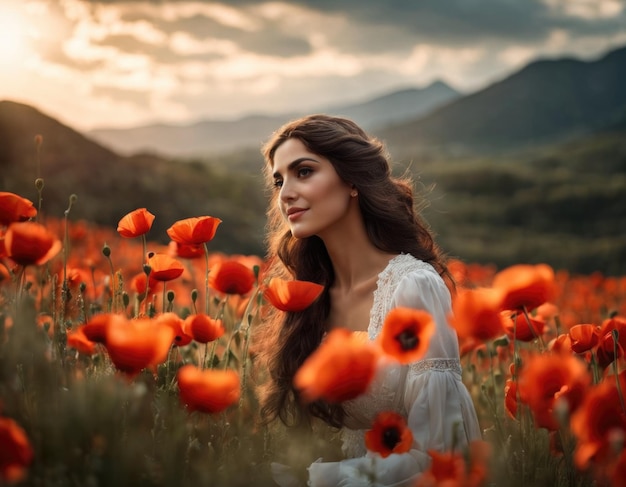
point(339, 218)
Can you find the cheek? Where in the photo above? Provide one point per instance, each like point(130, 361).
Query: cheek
point(335, 190)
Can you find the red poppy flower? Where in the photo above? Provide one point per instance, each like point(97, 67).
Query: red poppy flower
point(480, 453)
point(617, 471)
point(607, 348)
point(136, 223)
point(141, 284)
point(14, 208)
point(598, 421)
point(446, 469)
point(406, 334)
point(16, 452)
point(548, 378)
point(292, 295)
point(477, 314)
point(389, 434)
point(208, 391)
point(340, 369)
point(5, 275)
point(95, 329)
point(459, 271)
point(510, 398)
point(231, 277)
point(137, 344)
point(194, 231)
point(547, 311)
point(203, 328)
point(176, 323)
point(164, 268)
point(30, 243)
point(525, 285)
point(458, 469)
point(562, 344)
point(584, 337)
point(518, 325)
point(78, 340)
point(186, 251)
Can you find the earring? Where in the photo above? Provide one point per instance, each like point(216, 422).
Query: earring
point(354, 193)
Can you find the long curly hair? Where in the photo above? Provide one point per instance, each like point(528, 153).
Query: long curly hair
point(393, 225)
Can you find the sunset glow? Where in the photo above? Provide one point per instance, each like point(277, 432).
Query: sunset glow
point(12, 36)
point(138, 62)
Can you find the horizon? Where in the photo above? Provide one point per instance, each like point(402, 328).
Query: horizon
point(121, 64)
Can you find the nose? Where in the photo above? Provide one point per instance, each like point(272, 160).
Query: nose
point(287, 192)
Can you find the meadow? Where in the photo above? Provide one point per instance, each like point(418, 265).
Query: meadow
point(126, 361)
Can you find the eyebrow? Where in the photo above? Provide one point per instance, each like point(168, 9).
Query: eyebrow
point(294, 164)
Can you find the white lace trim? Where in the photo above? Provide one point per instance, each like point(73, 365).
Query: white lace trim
point(388, 280)
point(385, 396)
point(353, 445)
point(440, 364)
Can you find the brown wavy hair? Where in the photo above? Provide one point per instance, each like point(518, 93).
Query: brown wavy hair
point(393, 225)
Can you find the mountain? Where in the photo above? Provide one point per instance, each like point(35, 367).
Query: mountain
point(109, 185)
point(560, 204)
point(545, 102)
point(200, 138)
point(396, 107)
point(223, 136)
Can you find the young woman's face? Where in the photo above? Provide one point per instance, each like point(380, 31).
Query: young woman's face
point(312, 197)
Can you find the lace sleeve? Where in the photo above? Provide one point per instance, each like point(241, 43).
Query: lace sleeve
point(425, 289)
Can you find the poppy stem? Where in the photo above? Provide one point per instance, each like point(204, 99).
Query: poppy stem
point(594, 368)
point(227, 350)
point(532, 329)
point(163, 304)
point(213, 347)
point(144, 257)
point(615, 334)
point(206, 350)
point(19, 288)
point(246, 343)
point(557, 324)
point(206, 278)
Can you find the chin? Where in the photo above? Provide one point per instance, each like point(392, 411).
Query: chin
point(301, 233)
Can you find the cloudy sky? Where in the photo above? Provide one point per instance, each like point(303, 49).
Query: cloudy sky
point(125, 63)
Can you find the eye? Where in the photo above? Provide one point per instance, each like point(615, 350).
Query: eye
point(278, 183)
point(304, 171)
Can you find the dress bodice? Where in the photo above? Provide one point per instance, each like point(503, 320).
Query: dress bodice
point(429, 392)
point(404, 274)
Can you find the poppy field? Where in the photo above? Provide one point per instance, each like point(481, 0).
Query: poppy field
point(128, 362)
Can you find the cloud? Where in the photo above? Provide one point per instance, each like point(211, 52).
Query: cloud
point(190, 59)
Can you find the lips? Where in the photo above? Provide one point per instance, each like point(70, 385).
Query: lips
point(294, 213)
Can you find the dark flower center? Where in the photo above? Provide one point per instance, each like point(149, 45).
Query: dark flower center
point(391, 437)
point(408, 340)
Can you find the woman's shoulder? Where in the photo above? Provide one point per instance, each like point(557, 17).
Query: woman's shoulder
point(405, 266)
point(415, 283)
point(404, 281)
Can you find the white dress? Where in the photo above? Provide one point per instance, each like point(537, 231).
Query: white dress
point(429, 393)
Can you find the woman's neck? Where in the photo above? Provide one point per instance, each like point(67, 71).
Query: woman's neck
point(355, 262)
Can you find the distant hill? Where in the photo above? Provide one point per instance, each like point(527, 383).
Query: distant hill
point(108, 185)
point(223, 136)
point(545, 102)
point(396, 107)
point(548, 101)
point(530, 169)
point(196, 139)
